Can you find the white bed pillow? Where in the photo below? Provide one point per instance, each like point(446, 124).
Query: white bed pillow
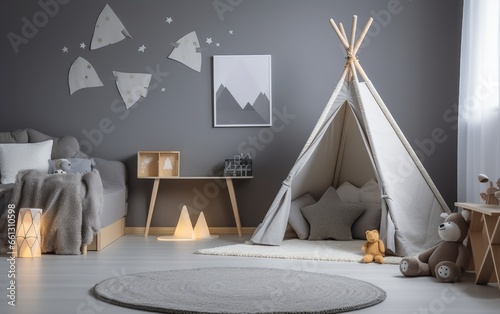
point(15, 157)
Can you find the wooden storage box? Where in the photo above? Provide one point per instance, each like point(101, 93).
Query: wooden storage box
point(158, 164)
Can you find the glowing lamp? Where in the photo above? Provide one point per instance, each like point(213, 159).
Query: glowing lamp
point(184, 230)
point(28, 232)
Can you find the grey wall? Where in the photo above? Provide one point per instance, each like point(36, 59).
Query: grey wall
point(411, 54)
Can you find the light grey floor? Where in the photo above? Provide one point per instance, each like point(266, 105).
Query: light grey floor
point(61, 284)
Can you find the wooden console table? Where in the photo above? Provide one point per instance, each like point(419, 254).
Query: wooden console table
point(484, 234)
point(230, 188)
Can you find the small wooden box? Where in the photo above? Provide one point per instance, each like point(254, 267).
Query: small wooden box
point(158, 164)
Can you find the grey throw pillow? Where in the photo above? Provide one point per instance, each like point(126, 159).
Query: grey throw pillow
point(331, 218)
point(369, 220)
point(78, 165)
point(296, 219)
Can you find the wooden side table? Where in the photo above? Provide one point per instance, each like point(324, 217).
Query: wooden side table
point(230, 189)
point(165, 165)
point(484, 237)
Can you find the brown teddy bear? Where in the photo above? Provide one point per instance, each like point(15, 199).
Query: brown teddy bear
point(374, 248)
point(448, 259)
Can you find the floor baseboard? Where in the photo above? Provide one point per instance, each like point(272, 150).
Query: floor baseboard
point(171, 230)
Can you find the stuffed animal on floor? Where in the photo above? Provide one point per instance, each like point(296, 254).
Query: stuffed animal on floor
point(374, 248)
point(448, 259)
point(61, 166)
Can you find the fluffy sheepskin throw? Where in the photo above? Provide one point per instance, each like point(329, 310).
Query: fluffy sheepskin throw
point(71, 204)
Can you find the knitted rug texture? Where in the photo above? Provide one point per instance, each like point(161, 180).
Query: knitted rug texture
point(238, 290)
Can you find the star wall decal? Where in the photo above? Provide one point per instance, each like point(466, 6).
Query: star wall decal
point(231, 31)
point(142, 48)
point(82, 45)
point(169, 20)
point(65, 49)
point(209, 40)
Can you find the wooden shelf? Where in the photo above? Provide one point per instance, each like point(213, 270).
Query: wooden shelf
point(484, 234)
point(158, 164)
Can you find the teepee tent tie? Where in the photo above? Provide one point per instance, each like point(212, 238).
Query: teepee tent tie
point(356, 139)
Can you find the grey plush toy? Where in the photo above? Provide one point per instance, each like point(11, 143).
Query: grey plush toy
point(61, 165)
point(446, 261)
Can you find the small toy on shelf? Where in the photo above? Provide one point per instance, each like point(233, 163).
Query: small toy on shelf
point(491, 196)
point(239, 166)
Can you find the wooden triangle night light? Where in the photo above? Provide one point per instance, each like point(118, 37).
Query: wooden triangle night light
point(184, 230)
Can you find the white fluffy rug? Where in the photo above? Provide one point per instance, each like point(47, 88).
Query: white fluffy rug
point(340, 251)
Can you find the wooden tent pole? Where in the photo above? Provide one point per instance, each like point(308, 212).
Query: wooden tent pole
point(342, 30)
point(353, 70)
point(353, 34)
point(339, 34)
point(350, 54)
point(362, 35)
point(361, 71)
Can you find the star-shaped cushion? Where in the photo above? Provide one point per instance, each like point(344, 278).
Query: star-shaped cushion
point(330, 218)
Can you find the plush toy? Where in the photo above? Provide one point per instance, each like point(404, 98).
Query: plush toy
point(448, 259)
point(61, 165)
point(374, 248)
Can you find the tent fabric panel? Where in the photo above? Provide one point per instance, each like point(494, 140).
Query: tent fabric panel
point(412, 203)
point(317, 172)
point(357, 167)
point(408, 147)
point(271, 230)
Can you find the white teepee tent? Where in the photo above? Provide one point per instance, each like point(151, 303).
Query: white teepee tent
point(357, 139)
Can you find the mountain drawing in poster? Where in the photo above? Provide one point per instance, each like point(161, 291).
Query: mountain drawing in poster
point(229, 112)
point(243, 91)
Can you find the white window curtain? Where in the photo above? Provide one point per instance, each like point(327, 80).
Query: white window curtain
point(479, 113)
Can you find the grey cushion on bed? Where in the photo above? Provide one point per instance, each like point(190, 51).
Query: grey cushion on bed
point(17, 136)
point(330, 218)
point(296, 219)
point(63, 147)
point(77, 165)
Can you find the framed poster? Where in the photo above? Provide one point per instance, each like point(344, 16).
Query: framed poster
point(242, 91)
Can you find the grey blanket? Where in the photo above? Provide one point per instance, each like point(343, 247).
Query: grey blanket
point(71, 205)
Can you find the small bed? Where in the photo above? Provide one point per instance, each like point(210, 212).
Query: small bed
point(112, 173)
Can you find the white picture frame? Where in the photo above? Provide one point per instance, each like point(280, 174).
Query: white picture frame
point(242, 95)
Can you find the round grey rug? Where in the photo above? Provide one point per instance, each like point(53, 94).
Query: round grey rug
point(238, 290)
